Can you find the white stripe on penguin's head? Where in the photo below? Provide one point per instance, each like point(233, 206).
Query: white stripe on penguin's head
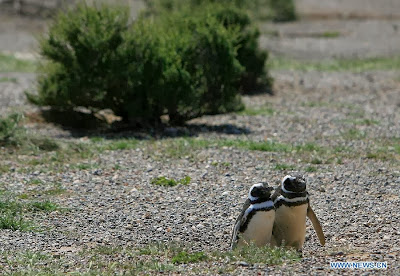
point(283, 183)
point(258, 185)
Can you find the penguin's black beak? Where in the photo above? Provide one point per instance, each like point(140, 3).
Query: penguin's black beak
point(300, 185)
point(267, 192)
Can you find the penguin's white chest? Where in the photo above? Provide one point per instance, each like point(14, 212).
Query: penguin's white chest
point(259, 229)
point(290, 225)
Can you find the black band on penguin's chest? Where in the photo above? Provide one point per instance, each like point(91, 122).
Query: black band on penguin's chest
point(243, 227)
point(294, 195)
point(282, 201)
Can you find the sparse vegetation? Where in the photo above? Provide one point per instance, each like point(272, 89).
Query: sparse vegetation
point(268, 111)
point(14, 222)
point(362, 122)
point(12, 134)
point(352, 65)
point(354, 134)
point(316, 161)
point(9, 63)
point(184, 257)
point(8, 79)
point(311, 169)
point(329, 34)
point(264, 255)
point(283, 167)
point(12, 213)
point(163, 258)
point(163, 181)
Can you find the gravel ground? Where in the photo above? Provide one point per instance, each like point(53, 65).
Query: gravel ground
point(349, 8)
point(354, 192)
point(309, 39)
point(355, 200)
point(12, 89)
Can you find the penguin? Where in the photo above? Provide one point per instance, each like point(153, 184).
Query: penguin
point(255, 222)
point(292, 206)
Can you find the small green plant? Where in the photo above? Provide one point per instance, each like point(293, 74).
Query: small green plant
point(309, 147)
point(83, 166)
point(185, 181)
point(315, 104)
point(9, 63)
point(23, 196)
point(311, 169)
point(11, 206)
point(283, 167)
point(11, 133)
point(380, 154)
point(156, 249)
point(123, 144)
point(184, 257)
point(46, 206)
point(352, 65)
point(163, 181)
point(43, 143)
point(362, 122)
point(316, 161)
point(56, 190)
point(13, 221)
point(268, 146)
point(339, 149)
point(331, 34)
point(35, 182)
point(7, 79)
point(222, 164)
point(11, 216)
point(354, 134)
point(261, 111)
point(261, 255)
point(4, 168)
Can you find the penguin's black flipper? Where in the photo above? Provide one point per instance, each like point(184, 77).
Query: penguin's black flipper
point(239, 222)
point(317, 226)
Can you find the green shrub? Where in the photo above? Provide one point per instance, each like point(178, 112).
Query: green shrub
point(254, 76)
point(185, 71)
point(181, 65)
point(81, 67)
point(250, 56)
point(11, 133)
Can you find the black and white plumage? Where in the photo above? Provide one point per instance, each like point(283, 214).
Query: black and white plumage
point(255, 222)
point(292, 205)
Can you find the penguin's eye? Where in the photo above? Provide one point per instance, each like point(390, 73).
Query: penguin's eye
point(288, 182)
point(255, 192)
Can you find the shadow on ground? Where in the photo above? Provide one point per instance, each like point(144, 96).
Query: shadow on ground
point(81, 124)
